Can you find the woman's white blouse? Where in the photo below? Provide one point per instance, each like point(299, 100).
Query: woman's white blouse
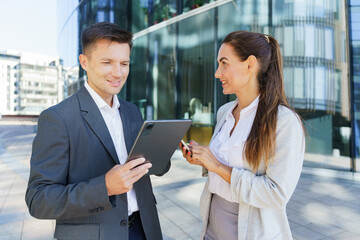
point(229, 149)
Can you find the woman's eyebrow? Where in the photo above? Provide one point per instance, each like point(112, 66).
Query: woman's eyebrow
point(223, 58)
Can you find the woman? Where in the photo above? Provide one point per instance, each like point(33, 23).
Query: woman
point(255, 156)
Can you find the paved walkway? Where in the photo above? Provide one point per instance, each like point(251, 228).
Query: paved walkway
point(322, 207)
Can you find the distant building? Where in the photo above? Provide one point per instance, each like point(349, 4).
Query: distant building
point(71, 80)
point(7, 62)
point(29, 83)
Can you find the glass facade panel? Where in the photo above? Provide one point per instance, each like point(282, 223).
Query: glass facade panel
point(188, 5)
point(309, 40)
point(354, 33)
point(68, 33)
point(139, 15)
point(136, 87)
point(299, 83)
point(162, 46)
point(311, 34)
point(162, 10)
point(180, 73)
point(145, 13)
point(99, 10)
point(196, 73)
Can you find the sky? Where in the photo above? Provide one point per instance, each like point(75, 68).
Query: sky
point(28, 25)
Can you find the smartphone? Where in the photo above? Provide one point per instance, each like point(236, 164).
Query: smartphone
point(185, 145)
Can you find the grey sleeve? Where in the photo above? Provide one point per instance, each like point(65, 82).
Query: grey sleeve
point(48, 195)
point(274, 188)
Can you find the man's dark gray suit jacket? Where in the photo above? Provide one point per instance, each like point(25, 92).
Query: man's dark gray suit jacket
point(71, 153)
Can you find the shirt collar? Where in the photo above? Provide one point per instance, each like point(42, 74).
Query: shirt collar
point(100, 103)
point(116, 103)
point(252, 105)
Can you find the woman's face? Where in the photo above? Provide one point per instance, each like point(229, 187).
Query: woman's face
point(234, 74)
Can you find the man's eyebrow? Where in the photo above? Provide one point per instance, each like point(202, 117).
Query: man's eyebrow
point(110, 59)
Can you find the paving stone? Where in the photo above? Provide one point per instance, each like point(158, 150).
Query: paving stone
point(346, 236)
point(194, 230)
point(170, 230)
point(11, 231)
point(299, 219)
point(295, 206)
point(35, 229)
point(325, 229)
point(351, 225)
point(345, 214)
point(179, 216)
point(304, 233)
point(293, 225)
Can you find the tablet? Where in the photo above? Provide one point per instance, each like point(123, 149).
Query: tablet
point(157, 142)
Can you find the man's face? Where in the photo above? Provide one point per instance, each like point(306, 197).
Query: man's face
point(107, 67)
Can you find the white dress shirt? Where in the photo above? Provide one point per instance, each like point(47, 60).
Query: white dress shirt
point(113, 122)
point(229, 149)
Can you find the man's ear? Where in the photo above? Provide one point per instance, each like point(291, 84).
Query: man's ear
point(83, 61)
point(251, 62)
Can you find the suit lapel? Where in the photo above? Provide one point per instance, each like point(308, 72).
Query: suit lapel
point(93, 117)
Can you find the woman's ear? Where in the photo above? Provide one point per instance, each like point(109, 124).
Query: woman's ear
point(83, 61)
point(251, 60)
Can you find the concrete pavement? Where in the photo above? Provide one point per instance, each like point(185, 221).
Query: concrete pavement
point(325, 205)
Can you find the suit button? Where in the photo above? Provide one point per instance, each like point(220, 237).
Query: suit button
point(123, 223)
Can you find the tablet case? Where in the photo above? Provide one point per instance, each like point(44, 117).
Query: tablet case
point(157, 142)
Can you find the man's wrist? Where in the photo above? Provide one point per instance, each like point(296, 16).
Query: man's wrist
point(106, 184)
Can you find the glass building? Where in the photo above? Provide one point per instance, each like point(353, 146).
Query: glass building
point(354, 45)
point(173, 61)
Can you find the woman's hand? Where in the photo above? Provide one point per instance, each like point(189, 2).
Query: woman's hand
point(208, 160)
point(204, 155)
point(188, 154)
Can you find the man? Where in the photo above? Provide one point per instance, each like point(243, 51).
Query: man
point(78, 172)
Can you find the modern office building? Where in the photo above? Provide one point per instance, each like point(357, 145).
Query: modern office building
point(173, 61)
point(7, 62)
point(29, 82)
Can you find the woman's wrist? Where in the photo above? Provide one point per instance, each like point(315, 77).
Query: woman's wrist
point(223, 171)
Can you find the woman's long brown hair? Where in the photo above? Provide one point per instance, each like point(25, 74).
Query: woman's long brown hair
point(260, 143)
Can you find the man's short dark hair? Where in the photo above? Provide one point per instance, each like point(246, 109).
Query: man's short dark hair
point(104, 30)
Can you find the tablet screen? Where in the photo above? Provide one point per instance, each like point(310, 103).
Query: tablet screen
point(157, 142)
